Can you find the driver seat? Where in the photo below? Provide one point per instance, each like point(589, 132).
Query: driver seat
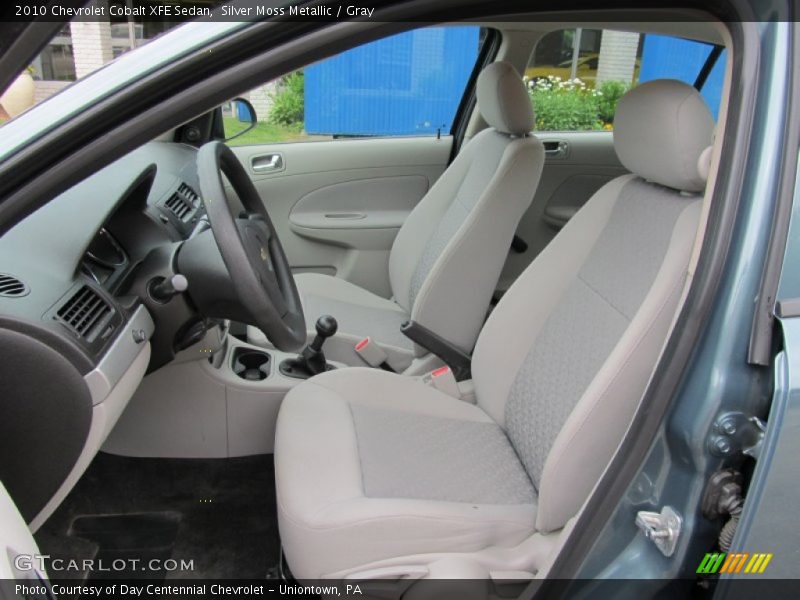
point(379, 474)
point(447, 256)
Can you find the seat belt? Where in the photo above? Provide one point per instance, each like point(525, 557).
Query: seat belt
point(372, 354)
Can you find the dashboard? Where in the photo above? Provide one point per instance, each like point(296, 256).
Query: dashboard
point(76, 308)
point(76, 259)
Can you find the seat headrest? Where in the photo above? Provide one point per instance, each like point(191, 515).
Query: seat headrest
point(662, 129)
point(503, 100)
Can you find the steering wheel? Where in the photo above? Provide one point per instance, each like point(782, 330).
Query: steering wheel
point(250, 249)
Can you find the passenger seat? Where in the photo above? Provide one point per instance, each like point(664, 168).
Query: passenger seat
point(448, 255)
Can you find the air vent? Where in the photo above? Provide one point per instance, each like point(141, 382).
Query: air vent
point(86, 313)
point(179, 206)
point(11, 287)
point(189, 193)
point(183, 202)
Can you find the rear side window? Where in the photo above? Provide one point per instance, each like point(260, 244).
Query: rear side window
point(668, 57)
point(409, 84)
point(576, 76)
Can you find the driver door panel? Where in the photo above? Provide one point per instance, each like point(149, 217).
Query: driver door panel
point(338, 205)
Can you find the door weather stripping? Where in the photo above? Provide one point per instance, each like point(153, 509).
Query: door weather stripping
point(663, 528)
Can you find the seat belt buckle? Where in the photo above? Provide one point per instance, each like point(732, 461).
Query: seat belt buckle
point(443, 380)
point(372, 354)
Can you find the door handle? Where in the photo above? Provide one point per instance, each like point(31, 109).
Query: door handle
point(556, 148)
point(267, 162)
point(345, 215)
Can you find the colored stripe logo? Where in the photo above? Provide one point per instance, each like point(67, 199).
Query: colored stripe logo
point(734, 563)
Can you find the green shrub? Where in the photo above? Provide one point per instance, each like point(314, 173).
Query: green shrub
point(610, 93)
point(288, 100)
point(564, 105)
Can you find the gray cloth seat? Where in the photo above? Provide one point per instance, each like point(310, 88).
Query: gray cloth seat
point(378, 472)
point(399, 470)
point(448, 255)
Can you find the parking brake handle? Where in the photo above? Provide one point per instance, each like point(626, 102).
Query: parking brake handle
point(459, 361)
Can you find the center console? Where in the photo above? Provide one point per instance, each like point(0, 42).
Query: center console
point(251, 365)
point(216, 400)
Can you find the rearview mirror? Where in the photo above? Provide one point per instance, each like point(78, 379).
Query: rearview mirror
point(238, 117)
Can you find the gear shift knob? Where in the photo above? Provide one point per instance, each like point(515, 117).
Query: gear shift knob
point(311, 360)
point(312, 355)
point(326, 326)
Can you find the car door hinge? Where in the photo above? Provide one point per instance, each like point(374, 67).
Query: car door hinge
point(663, 528)
point(735, 432)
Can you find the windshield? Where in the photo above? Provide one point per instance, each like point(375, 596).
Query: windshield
point(104, 57)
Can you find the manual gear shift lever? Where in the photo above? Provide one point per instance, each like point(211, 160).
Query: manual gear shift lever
point(311, 361)
point(312, 354)
point(326, 327)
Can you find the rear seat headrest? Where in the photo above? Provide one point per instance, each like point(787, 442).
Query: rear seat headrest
point(662, 130)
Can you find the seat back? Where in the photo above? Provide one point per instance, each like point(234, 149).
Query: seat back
point(447, 257)
point(566, 355)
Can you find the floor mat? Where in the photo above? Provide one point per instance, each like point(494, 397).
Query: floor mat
point(218, 513)
point(146, 538)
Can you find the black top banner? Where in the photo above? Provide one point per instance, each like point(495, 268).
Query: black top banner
point(177, 11)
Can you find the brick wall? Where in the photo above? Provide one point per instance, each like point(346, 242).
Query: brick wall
point(45, 89)
point(91, 45)
point(617, 56)
point(261, 99)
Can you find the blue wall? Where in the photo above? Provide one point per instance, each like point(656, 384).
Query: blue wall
point(674, 58)
point(407, 84)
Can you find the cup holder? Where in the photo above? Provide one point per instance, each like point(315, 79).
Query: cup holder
point(252, 365)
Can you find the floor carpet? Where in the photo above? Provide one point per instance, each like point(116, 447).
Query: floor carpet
point(218, 513)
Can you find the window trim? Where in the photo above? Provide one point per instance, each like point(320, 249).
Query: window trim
point(469, 101)
point(708, 66)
